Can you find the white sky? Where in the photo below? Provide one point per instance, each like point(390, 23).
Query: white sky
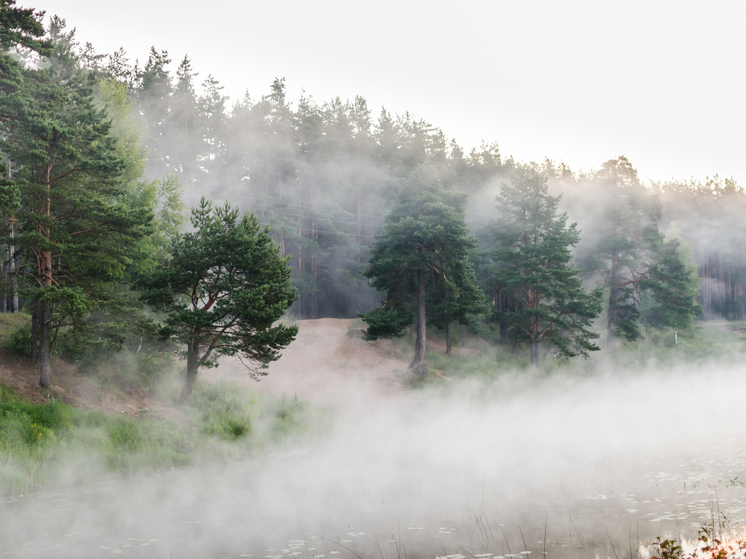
point(576, 81)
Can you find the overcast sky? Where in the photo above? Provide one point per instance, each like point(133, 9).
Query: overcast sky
point(576, 81)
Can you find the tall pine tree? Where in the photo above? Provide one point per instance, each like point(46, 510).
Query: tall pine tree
point(424, 246)
point(532, 265)
point(73, 230)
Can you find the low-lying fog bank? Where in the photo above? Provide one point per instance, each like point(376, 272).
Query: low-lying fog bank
point(599, 464)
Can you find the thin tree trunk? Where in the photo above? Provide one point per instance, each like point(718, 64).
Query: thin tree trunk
point(359, 221)
point(5, 283)
point(534, 347)
point(191, 372)
point(4, 288)
point(45, 360)
point(44, 355)
point(448, 339)
point(35, 333)
point(13, 302)
point(613, 298)
point(418, 363)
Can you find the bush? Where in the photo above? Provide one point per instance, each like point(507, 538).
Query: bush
point(20, 341)
point(226, 411)
point(52, 443)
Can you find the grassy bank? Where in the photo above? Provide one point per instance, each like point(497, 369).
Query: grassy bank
point(54, 444)
point(706, 342)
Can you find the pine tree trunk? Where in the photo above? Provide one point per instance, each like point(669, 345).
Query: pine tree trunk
point(534, 348)
point(13, 302)
point(45, 360)
point(613, 299)
point(418, 363)
point(5, 285)
point(448, 339)
point(35, 333)
point(359, 221)
point(503, 305)
point(191, 372)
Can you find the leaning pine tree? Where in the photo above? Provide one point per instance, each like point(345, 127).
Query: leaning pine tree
point(532, 263)
point(423, 249)
point(223, 290)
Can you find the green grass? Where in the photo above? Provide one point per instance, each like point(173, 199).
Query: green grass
point(9, 323)
point(705, 342)
point(54, 444)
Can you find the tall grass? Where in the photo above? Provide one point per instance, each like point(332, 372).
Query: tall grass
point(55, 444)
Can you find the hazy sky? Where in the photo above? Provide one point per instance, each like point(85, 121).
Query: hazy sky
point(576, 81)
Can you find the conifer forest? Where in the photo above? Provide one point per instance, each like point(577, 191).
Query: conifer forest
point(104, 156)
point(447, 336)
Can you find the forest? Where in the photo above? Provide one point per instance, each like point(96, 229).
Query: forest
point(470, 343)
point(377, 215)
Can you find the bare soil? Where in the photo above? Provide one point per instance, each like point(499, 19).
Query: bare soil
point(78, 390)
point(328, 364)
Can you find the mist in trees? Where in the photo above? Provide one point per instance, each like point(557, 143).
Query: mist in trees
point(421, 260)
point(530, 264)
point(344, 190)
point(223, 287)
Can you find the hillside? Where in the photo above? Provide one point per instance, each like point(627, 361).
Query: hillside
point(328, 364)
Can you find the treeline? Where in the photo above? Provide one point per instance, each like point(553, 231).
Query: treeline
point(324, 176)
point(79, 222)
point(103, 155)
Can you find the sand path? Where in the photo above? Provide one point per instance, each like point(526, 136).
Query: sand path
point(328, 364)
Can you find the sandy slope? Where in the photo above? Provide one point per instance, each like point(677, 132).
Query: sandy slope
point(73, 388)
point(328, 364)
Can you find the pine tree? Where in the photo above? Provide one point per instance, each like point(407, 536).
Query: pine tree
point(424, 244)
point(532, 264)
point(223, 288)
point(674, 286)
point(21, 27)
point(73, 230)
point(457, 299)
point(627, 233)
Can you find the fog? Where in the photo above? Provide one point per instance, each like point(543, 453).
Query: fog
point(586, 459)
point(601, 459)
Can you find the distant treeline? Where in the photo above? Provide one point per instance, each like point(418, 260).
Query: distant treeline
point(324, 175)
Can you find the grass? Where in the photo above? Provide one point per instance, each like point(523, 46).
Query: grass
point(706, 341)
point(9, 323)
point(54, 444)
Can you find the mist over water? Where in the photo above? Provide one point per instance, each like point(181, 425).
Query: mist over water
point(612, 458)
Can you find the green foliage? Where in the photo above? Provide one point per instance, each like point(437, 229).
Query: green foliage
point(223, 290)
point(425, 230)
point(226, 412)
point(53, 443)
point(389, 321)
point(705, 342)
point(294, 418)
point(424, 239)
point(20, 341)
point(9, 324)
point(21, 27)
point(75, 223)
point(673, 282)
point(531, 263)
point(625, 233)
point(709, 214)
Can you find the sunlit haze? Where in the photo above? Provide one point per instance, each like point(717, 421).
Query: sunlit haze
point(580, 81)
